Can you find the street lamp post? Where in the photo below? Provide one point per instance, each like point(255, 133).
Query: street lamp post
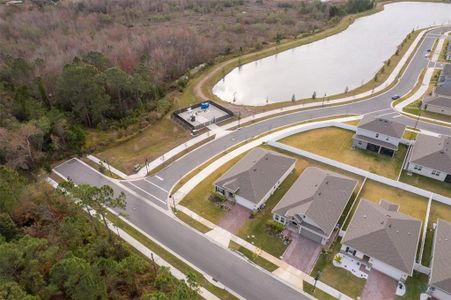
point(108, 166)
point(147, 168)
point(316, 280)
point(419, 116)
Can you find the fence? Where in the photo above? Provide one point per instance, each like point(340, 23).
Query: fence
point(193, 128)
point(363, 173)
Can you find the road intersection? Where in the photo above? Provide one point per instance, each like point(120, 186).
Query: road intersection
point(147, 198)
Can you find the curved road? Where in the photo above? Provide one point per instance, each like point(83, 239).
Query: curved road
point(228, 268)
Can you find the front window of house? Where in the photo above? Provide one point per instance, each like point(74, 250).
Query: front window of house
point(417, 167)
point(377, 135)
point(220, 190)
point(435, 172)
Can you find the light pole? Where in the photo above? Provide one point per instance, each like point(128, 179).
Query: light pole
point(108, 166)
point(147, 168)
point(419, 116)
point(239, 118)
point(316, 280)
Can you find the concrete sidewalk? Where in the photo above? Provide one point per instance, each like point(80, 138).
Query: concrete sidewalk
point(149, 254)
point(225, 129)
point(285, 272)
point(425, 85)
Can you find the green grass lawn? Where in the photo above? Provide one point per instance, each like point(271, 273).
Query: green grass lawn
point(337, 278)
point(254, 229)
point(415, 285)
point(197, 199)
point(191, 222)
point(414, 108)
point(438, 210)
point(317, 293)
point(430, 184)
point(150, 143)
point(410, 204)
point(269, 266)
point(336, 143)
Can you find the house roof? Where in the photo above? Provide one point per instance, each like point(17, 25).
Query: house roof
point(441, 257)
point(320, 195)
point(382, 126)
point(438, 101)
point(385, 235)
point(446, 71)
point(432, 152)
point(368, 139)
point(255, 174)
point(444, 88)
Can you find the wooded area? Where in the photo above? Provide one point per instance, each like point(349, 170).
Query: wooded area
point(71, 66)
point(51, 249)
point(67, 65)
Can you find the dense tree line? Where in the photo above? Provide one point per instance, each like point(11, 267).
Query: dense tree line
point(49, 249)
point(41, 120)
point(69, 66)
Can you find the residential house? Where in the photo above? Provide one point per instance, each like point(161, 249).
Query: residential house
point(382, 238)
point(378, 135)
point(431, 156)
point(440, 100)
point(314, 203)
point(440, 277)
point(253, 179)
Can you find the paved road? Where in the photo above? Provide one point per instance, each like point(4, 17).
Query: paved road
point(223, 265)
point(378, 105)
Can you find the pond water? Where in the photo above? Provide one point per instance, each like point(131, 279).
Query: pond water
point(329, 66)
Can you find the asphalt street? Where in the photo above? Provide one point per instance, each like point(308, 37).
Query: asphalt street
point(225, 266)
point(244, 278)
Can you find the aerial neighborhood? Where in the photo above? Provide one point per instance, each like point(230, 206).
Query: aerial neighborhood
point(228, 149)
point(440, 100)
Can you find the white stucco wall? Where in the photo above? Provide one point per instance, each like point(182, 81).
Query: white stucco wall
point(379, 265)
point(274, 188)
point(426, 172)
point(441, 295)
point(244, 202)
point(388, 270)
point(381, 137)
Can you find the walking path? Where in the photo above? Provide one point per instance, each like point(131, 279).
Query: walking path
point(149, 254)
point(425, 85)
point(224, 129)
point(285, 272)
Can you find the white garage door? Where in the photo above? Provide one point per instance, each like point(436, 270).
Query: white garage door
point(311, 236)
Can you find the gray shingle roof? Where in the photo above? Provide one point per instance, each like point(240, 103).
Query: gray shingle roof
point(388, 236)
point(438, 100)
point(383, 126)
point(441, 258)
point(255, 174)
point(432, 152)
point(320, 195)
point(444, 88)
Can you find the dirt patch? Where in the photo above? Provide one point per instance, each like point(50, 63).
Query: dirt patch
point(379, 287)
point(235, 218)
point(302, 253)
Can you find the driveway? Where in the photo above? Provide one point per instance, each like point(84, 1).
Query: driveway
point(235, 218)
point(302, 253)
point(379, 287)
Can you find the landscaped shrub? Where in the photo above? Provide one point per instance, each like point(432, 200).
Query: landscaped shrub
point(216, 197)
point(274, 227)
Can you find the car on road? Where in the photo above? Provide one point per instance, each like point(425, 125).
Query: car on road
point(394, 97)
